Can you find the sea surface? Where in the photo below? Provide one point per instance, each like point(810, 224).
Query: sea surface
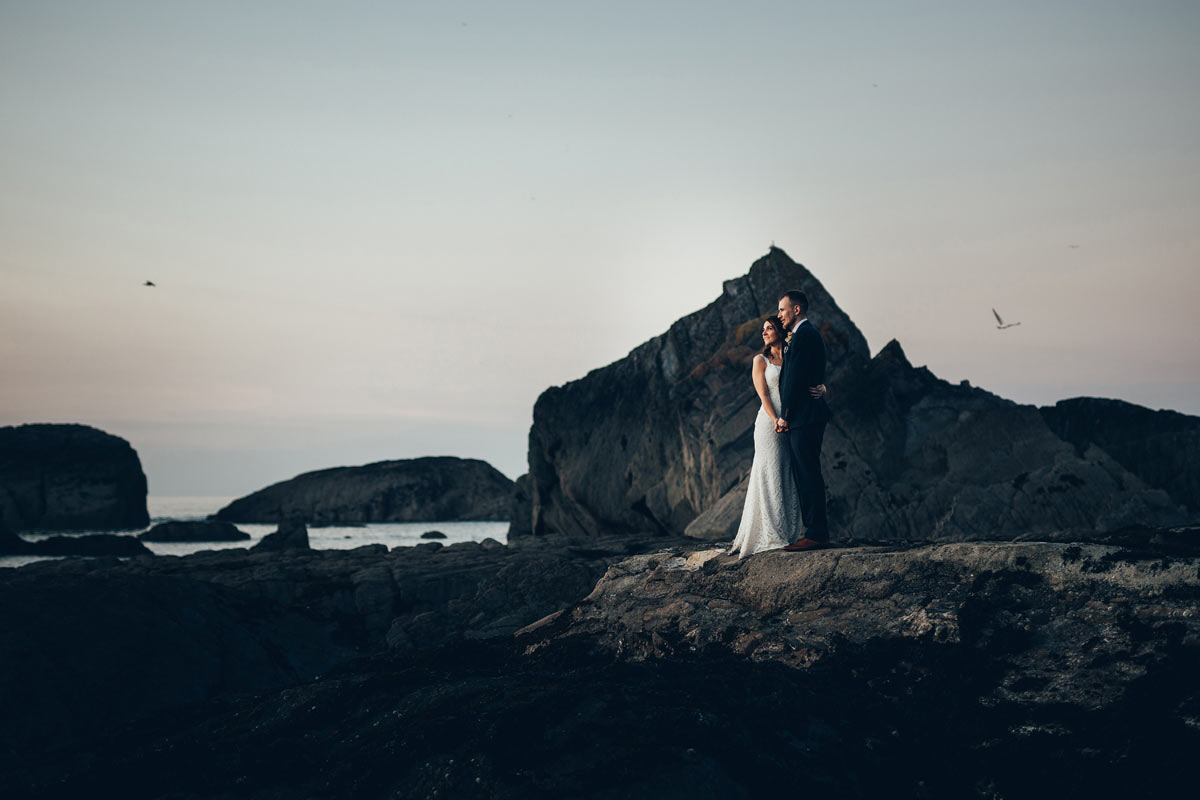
point(392, 534)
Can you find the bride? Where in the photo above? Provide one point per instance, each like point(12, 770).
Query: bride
point(771, 516)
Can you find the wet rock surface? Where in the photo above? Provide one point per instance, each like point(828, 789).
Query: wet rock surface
point(70, 477)
point(409, 490)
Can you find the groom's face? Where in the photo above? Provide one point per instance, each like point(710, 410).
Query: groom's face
point(787, 313)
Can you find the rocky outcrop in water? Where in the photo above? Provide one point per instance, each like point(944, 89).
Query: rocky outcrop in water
point(180, 531)
point(907, 456)
point(1162, 448)
point(95, 544)
point(70, 477)
point(412, 490)
point(292, 534)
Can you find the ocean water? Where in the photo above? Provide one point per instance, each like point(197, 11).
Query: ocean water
point(392, 534)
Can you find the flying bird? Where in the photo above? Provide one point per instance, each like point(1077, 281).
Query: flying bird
point(148, 283)
point(1001, 324)
point(1073, 246)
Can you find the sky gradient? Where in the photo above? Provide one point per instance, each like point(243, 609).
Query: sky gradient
point(380, 230)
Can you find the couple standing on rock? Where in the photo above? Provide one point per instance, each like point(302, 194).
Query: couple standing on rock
point(786, 486)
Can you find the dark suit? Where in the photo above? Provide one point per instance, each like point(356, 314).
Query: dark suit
point(803, 368)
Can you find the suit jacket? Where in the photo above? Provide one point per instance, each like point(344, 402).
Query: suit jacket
point(803, 367)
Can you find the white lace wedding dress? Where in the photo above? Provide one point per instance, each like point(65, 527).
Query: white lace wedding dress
point(771, 516)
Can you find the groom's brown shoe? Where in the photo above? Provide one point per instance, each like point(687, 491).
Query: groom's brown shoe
point(805, 544)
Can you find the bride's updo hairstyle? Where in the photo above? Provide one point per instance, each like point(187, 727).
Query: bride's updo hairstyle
point(776, 323)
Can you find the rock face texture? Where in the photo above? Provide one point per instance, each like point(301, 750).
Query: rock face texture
point(1160, 447)
point(70, 477)
point(413, 490)
point(668, 445)
point(175, 531)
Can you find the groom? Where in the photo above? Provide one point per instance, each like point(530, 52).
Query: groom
point(804, 415)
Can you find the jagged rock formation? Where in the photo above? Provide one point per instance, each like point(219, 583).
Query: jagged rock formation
point(907, 456)
point(70, 477)
point(187, 531)
point(668, 428)
point(1160, 447)
point(411, 490)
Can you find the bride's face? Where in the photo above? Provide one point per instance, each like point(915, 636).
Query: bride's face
point(769, 334)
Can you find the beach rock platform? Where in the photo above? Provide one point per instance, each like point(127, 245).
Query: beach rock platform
point(946, 670)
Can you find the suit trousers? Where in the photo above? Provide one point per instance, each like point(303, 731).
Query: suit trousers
point(804, 444)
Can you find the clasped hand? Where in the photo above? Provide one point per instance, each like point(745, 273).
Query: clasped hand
point(820, 390)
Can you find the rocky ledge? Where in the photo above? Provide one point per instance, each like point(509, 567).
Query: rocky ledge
point(411, 490)
point(949, 670)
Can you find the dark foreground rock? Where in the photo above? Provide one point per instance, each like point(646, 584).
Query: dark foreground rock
point(413, 490)
point(977, 670)
point(90, 645)
point(70, 477)
point(176, 531)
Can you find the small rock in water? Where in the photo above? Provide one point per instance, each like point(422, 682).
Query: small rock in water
point(433, 535)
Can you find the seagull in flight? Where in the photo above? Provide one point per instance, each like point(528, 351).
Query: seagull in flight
point(1001, 324)
point(148, 283)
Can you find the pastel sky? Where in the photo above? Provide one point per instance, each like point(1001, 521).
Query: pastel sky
point(381, 229)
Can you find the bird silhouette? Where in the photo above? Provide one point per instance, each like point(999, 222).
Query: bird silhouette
point(1000, 324)
point(148, 283)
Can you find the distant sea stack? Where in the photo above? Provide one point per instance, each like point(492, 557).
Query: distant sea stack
point(668, 442)
point(70, 477)
point(431, 489)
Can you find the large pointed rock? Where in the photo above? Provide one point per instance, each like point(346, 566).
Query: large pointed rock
point(647, 443)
